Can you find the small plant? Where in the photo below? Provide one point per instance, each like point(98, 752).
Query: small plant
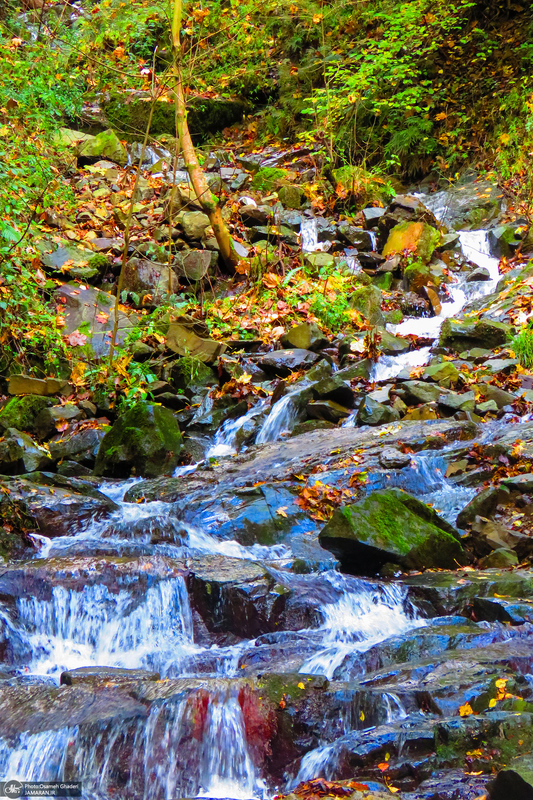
point(523, 346)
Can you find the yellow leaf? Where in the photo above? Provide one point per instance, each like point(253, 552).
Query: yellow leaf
point(362, 716)
point(301, 685)
point(282, 511)
point(501, 683)
point(466, 710)
point(492, 702)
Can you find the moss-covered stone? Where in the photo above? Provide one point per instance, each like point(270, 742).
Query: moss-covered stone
point(21, 412)
point(390, 526)
point(464, 335)
point(413, 237)
point(205, 116)
point(268, 179)
point(146, 441)
point(105, 145)
point(367, 301)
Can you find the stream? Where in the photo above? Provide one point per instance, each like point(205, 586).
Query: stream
point(126, 605)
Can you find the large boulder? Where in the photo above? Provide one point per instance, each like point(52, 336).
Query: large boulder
point(390, 526)
point(417, 238)
point(305, 336)
point(464, 335)
point(22, 412)
point(50, 509)
point(146, 440)
point(105, 145)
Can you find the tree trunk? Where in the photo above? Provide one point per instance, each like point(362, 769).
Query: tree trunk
point(206, 198)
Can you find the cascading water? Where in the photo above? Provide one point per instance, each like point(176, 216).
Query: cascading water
point(282, 419)
point(475, 247)
point(227, 437)
point(360, 618)
point(97, 627)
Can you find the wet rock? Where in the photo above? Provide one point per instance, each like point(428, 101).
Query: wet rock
point(390, 526)
point(479, 274)
point(503, 240)
point(21, 412)
point(182, 339)
point(391, 458)
point(418, 392)
point(412, 305)
point(391, 345)
point(457, 402)
point(104, 145)
point(34, 709)
point(306, 336)
point(356, 237)
point(500, 396)
point(335, 389)
point(85, 305)
point(367, 301)
point(445, 374)
point(372, 215)
point(483, 504)
point(416, 237)
point(51, 511)
point(327, 410)
point(19, 454)
point(231, 595)
point(78, 445)
point(490, 406)
point(100, 676)
point(146, 440)
point(283, 362)
point(462, 335)
point(425, 412)
point(373, 413)
point(499, 559)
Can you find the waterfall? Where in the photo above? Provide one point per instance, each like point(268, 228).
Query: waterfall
point(360, 618)
point(226, 438)
point(95, 626)
point(282, 419)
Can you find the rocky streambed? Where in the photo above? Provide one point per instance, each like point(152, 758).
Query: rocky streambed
point(321, 570)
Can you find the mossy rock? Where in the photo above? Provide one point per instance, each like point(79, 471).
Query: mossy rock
point(269, 179)
point(417, 274)
point(105, 145)
point(145, 441)
point(205, 116)
point(464, 335)
point(414, 237)
point(21, 412)
point(367, 300)
point(390, 526)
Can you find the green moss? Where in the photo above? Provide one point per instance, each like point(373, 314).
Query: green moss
point(146, 441)
point(99, 261)
point(21, 412)
point(205, 116)
point(268, 179)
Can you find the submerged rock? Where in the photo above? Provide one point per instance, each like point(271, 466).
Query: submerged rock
point(390, 526)
point(146, 441)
